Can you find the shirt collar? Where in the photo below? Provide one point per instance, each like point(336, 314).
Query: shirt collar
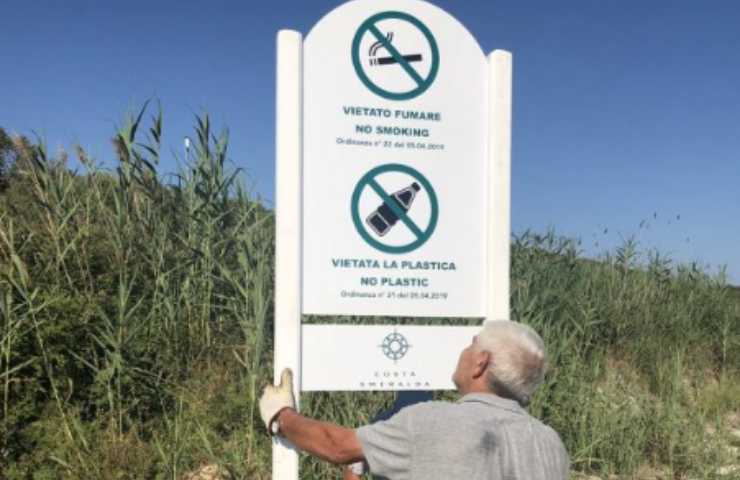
point(493, 400)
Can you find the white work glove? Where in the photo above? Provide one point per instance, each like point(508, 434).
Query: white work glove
point(275, 399)
point(357, 468)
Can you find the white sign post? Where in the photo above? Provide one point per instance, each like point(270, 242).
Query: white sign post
point(392, 197)
point(288, 154)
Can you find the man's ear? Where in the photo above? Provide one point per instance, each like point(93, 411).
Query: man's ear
point(482, 359)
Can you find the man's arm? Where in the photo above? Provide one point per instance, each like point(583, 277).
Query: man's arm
point(325, 440)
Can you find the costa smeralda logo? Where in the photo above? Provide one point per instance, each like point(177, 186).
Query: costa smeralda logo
point(395, 346)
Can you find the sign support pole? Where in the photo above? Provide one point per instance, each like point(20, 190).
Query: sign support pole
point(288, 231)
point(499, 184)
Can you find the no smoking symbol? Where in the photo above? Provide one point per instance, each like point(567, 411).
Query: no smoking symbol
point(394, 209)
point(395, 60)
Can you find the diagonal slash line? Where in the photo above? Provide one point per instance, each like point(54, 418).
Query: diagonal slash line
point(396, 55)
point(392, 204)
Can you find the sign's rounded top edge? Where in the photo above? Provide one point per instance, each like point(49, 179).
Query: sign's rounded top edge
point(343, 5)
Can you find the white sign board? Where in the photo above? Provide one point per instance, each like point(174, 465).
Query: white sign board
point(382, 357)
point(395, 129)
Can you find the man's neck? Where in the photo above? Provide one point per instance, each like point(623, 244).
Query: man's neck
point(485, 390)
point(476, 389)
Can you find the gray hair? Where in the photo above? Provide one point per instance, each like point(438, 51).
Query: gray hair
point(519, 359)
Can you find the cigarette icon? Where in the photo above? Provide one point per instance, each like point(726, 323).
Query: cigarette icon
point(390, 60)
point(373, 52)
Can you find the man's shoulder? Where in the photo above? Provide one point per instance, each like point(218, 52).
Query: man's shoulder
point(545, 434)
point(422, 413)
point(552, 435)
point(432, 407)
point(433, 414)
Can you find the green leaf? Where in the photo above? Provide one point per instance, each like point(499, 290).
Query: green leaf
point(135, 125)
point(20, 268)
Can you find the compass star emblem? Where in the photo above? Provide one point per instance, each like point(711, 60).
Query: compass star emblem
point(395, 346)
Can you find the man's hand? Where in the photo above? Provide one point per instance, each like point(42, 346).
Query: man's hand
point(277, 398)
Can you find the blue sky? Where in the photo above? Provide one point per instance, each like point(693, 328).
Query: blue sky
point(623, 111)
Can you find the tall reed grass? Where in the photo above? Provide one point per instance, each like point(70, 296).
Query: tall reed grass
point(137, 324)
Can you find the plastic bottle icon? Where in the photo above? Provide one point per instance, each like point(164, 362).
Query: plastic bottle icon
point(383, 219)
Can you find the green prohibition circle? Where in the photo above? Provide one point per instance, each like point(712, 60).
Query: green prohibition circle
point(357, 220)
point(422, 84)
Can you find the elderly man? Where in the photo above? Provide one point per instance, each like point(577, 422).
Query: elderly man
point(486, 434)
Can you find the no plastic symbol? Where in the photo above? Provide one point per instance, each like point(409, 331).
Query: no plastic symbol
point(422, 82)
point(369, 181)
